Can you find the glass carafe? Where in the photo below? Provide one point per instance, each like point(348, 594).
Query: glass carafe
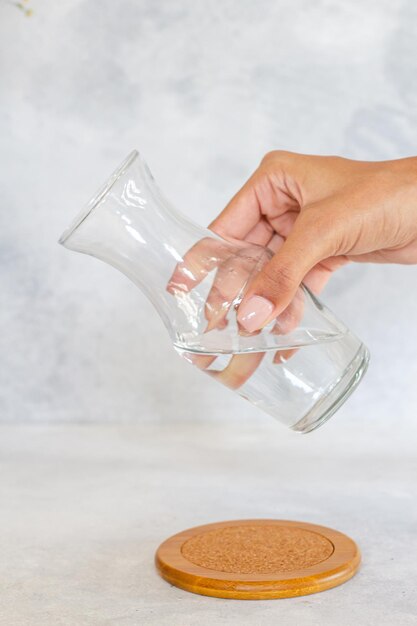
point(300, 368)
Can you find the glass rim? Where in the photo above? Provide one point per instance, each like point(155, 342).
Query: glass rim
point(99, 196)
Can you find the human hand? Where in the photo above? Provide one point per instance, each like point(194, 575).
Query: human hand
point(318, 213)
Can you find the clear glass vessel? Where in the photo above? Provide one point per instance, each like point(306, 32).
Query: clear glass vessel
point(300, 368)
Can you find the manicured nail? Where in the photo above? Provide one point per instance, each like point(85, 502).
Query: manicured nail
point(254, 313)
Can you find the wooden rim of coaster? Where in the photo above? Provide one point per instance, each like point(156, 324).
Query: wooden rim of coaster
point(331, 559)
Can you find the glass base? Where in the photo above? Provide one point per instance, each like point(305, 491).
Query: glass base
point(337, 395)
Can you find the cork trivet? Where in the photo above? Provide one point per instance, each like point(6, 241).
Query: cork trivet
point(257, 549)
point(257, 559)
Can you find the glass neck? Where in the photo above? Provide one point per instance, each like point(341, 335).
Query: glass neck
point(130, 225)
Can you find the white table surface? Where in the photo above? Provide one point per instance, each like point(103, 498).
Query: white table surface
point(83, 508)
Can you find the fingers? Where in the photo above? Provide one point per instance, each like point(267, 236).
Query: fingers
point(287, 321)
point(265, 200)
point(202, 361)
point(198, 262)
point(241, 214)
point(277, 283)
point(261, 234)
point(282, 356)
point(227, 284)
point(239, 369)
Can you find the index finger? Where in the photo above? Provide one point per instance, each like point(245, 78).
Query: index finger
point(240, 215)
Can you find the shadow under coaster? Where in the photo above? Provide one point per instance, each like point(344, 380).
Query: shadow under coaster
point(257, 559)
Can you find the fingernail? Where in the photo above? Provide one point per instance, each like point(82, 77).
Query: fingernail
point(253, 314)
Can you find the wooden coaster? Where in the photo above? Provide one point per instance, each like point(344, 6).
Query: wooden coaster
point(257, 559)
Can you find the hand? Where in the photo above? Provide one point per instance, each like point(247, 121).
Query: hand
point(317, 214)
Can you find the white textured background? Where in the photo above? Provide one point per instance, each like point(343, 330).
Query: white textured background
point(203, 89)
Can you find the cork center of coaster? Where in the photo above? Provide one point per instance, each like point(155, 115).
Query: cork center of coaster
point(257, 549)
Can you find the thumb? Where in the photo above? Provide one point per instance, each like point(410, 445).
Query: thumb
point(275, 286)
